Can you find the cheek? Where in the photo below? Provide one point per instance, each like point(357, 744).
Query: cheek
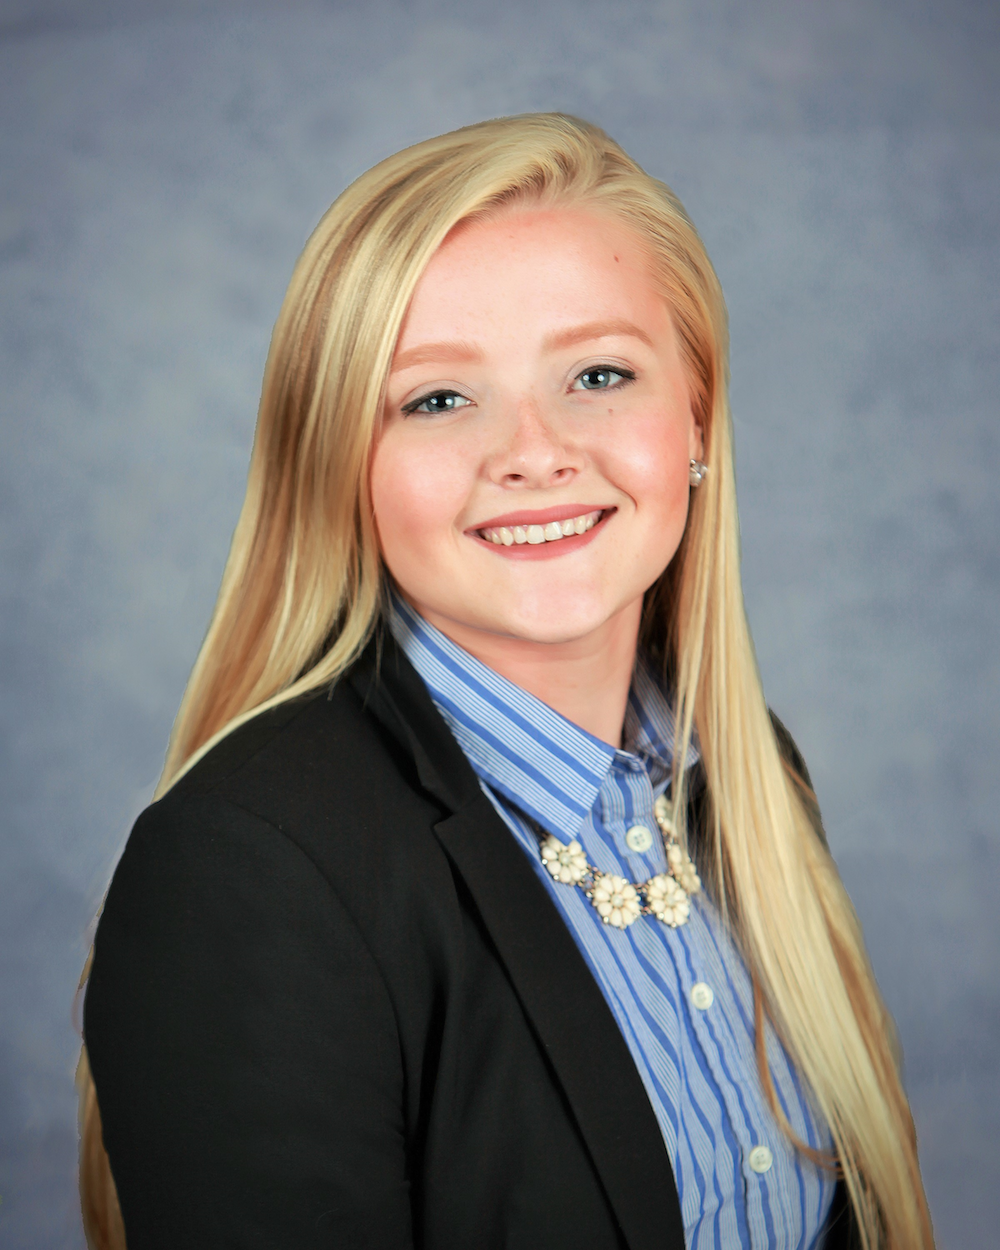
point(417, 494)
point(651, 463)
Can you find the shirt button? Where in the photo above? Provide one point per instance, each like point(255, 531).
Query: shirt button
point(761, 1159)
point(639, 839)
point(702, 996)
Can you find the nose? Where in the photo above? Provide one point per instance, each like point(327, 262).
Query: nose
point(534, 452)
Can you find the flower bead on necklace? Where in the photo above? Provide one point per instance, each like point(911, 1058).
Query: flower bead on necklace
point(618, 902)
point(567, 864)
point(667, 900)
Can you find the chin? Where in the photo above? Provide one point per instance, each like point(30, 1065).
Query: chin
point(550, 633)
point(552, 623)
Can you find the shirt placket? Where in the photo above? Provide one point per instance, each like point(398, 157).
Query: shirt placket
point(626, 811)
point(710, 1001)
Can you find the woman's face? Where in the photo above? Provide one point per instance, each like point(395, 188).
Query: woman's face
point(530, 478)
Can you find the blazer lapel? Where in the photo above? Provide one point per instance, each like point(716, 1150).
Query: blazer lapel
point(559, 995)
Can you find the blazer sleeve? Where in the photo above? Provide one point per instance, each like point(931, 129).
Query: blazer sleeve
point(243, 1045)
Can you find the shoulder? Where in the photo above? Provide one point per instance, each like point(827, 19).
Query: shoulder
point(788, 750)
point(796, 768)
point(290, 747)
point(309, 804)
point(302, 841)
point(320, 764)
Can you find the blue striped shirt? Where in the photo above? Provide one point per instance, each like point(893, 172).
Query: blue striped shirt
point(682, 997)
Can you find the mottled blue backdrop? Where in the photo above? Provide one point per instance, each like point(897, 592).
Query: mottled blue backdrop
point(162, 164)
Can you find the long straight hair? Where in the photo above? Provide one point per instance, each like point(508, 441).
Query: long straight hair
point(301, 592)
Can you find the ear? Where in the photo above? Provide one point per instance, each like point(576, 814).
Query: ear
point(696, 441)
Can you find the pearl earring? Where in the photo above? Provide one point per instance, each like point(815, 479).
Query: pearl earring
point(697, 472)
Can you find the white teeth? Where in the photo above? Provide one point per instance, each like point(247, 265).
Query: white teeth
point(508, 536)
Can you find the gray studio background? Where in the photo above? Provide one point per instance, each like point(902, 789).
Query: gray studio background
point(162, 164)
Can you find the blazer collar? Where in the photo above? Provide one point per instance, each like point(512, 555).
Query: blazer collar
point(392, 689)
point(560, 997)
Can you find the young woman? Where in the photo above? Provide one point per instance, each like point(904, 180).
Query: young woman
point(482, 902)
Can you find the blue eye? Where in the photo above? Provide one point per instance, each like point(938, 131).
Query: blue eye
point(437, 402)
point(602, 378)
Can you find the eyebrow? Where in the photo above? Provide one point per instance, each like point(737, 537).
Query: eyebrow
point(436, 353)
point(615, 328)
point(459, 352)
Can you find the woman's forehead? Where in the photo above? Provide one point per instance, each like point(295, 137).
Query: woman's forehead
point(545, 271)
point(583, 228)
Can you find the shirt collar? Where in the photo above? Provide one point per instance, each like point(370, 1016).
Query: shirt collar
point(519, 746)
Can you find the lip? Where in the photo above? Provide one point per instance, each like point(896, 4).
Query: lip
point(546, 550)
point(542, 516)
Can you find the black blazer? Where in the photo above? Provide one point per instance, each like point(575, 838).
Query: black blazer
point(331, 1005)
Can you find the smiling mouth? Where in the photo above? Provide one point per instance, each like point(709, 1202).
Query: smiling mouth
point(535, 535)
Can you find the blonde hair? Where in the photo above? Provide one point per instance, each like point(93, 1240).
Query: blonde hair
point(301, 593)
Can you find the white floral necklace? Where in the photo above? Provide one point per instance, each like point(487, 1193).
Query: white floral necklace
point(620, 903)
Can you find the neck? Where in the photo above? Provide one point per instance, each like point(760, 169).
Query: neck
point(586, 679)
